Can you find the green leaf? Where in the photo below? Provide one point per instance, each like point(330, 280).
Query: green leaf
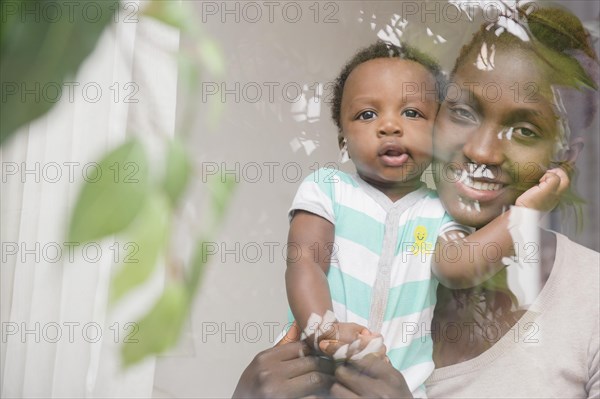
point(110, 201)
point(38, 52)
point(568, 70)
point(160, 328)
point(221, 192)
point(211, 57)
point(198, 266)
point(173, 13)
point(148, 236)
point(178, 170)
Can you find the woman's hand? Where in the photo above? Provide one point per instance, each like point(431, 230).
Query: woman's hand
point(372, 376)
point(288, 370)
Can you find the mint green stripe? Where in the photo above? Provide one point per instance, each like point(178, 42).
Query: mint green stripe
point(350, 291)
point(344, 177)
point(359, 228)
point(419, 351)
point(432, 194)
point(411, 297)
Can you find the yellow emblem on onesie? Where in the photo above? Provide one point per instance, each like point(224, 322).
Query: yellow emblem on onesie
point(420, 244)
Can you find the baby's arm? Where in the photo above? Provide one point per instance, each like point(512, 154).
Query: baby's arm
point(308, 257)
point(309, 253)
point(472, 264)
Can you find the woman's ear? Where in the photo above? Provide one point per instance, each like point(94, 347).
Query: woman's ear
point(574, 150)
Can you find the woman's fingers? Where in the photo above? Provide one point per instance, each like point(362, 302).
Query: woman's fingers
point(308, 364)
point(340, 391)
point(312, 382)
point(287, 351)
point(357, 381)
point(377, 366)
point(372, 377)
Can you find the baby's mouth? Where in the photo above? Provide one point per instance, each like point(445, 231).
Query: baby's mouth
point(393, 155)
point(394, 158)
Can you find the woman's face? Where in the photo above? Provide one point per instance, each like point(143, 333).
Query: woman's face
point(494, 135)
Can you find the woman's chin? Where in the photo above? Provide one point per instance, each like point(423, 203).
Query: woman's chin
point(473, 213)
point(472, 218)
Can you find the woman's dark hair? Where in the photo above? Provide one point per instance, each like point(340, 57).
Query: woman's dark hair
point(381, 49)
point(555, 35)
point(559, 40)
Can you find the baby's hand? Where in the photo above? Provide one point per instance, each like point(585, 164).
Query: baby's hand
point(366, 343)
point(545, 196)
point(327, 327)
point(345, 333)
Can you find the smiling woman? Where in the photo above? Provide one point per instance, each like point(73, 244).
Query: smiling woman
point(494, 145)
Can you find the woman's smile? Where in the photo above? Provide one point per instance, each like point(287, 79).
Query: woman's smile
point(478, 183)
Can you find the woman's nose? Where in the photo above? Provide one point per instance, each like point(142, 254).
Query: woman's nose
point(484, 146)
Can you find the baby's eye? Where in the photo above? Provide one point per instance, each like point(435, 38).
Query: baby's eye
point(411, 113)
point(366, 115)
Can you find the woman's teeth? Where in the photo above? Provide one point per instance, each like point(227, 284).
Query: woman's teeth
point(466, 179)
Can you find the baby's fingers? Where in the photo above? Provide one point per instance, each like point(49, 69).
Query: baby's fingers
point(558, 180)
point(365, 344)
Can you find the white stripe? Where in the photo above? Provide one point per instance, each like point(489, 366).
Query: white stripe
point(425, 208)
point(310, 197)
point(356, 198)
point(419, 393)
point(355, 260)
point(347, 316)
point(409, 267)
point(417, 374)
point(401, 331)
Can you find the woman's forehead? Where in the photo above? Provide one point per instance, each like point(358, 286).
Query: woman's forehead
point(505, 65)
point(506, 76)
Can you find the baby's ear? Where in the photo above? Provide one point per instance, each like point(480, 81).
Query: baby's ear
point(575, 147)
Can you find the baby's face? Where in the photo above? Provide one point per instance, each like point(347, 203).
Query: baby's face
point(387, 114)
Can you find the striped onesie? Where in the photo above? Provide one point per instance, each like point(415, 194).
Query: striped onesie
point(380, 271)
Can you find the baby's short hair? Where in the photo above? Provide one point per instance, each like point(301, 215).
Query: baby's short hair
point(382, 49)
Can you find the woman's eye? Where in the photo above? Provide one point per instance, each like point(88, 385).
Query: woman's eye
point(525, 132)
point(366, 115)
point(411, 113)
point(463, 113)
